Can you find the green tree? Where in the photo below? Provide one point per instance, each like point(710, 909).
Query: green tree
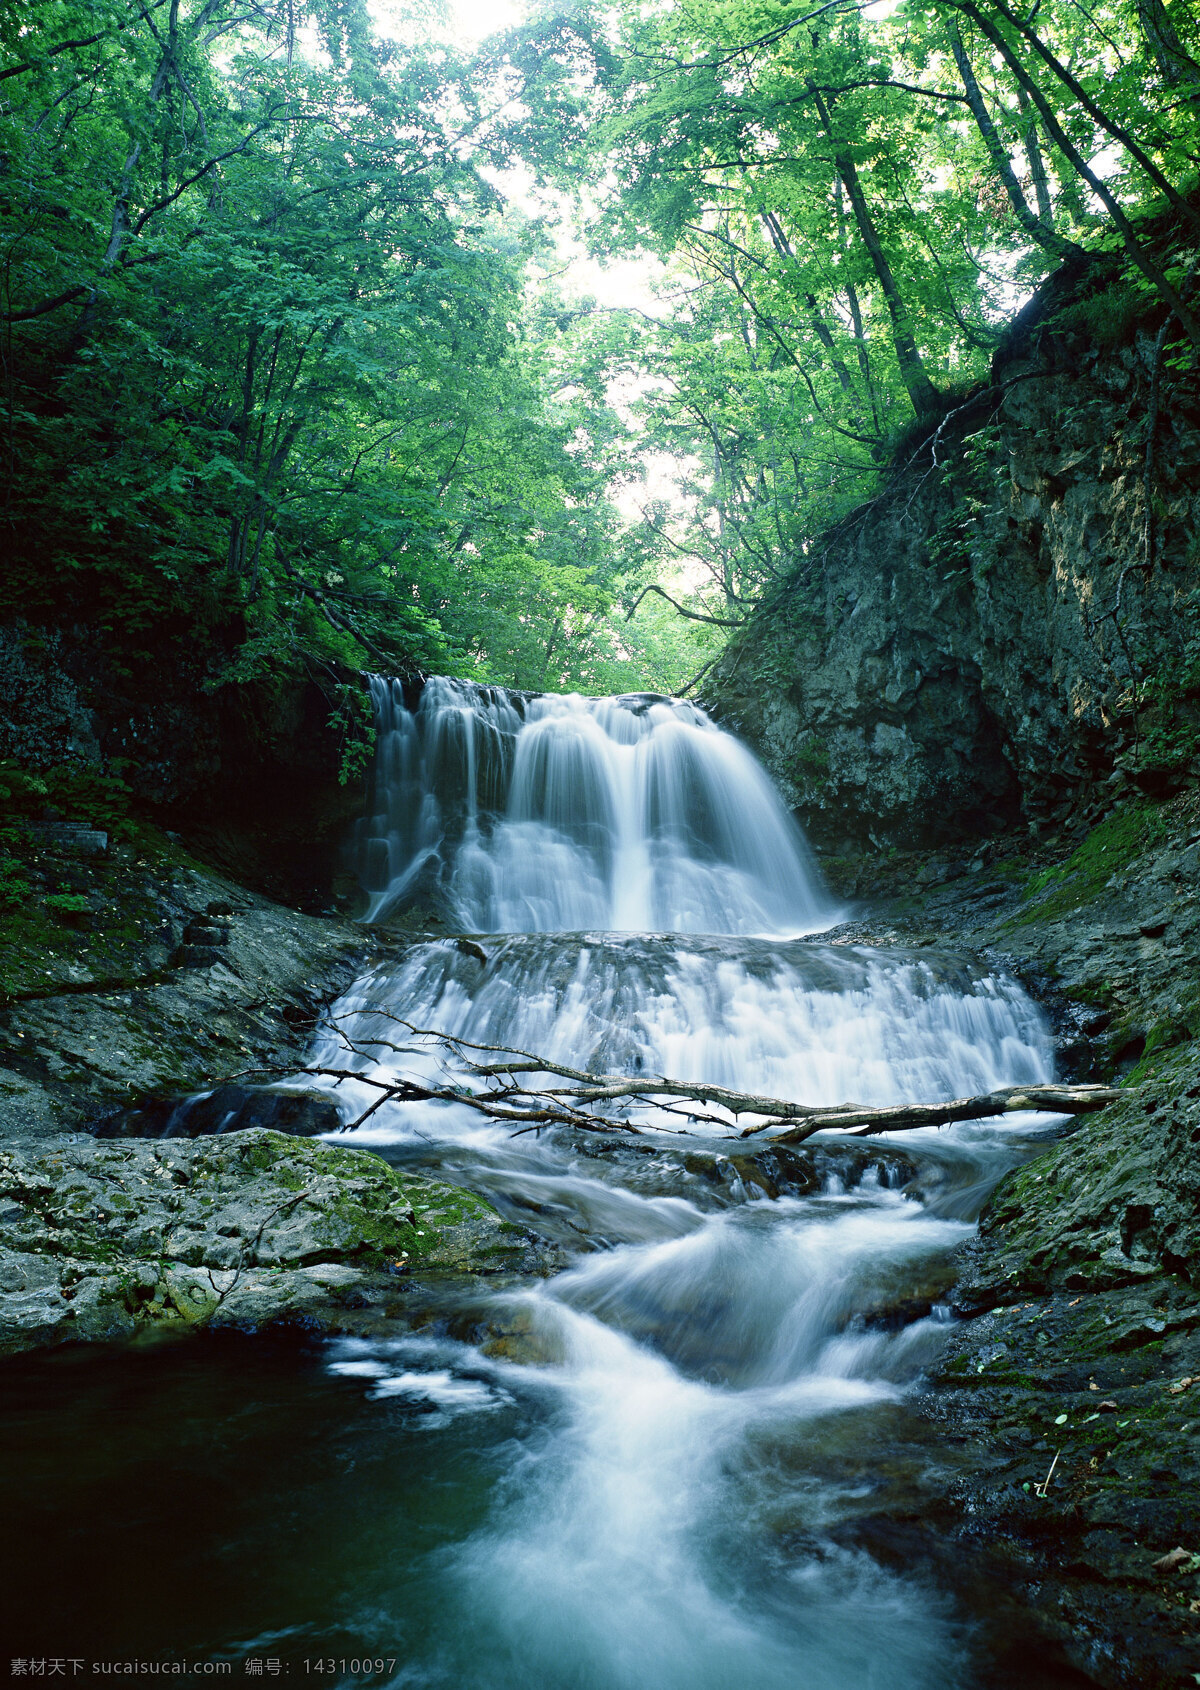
point(276, 375)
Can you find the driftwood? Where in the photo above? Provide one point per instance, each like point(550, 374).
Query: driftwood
point(504, 1096)
point(901, 1117)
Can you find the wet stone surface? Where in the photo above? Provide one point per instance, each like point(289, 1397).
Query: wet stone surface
point(114, 1241)
point(99, 1020)
point(1077, 1342)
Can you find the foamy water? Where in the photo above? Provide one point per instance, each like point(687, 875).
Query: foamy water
point(701, 1370)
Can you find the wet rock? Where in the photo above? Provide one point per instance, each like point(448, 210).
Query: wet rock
point(1114, 1203)
point(1080, 1300)
point(891, 1308)
point(911, 704)
point(737, 1170)
point(1083, 1340)
point(206, 931)
point(91, 1023)
point(99, 1240)
point(75, 838)
point(782, 1172)
point(204, 939)
point(301, 1111)
point(196, 956)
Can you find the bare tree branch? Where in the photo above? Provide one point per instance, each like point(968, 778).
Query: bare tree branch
point(531, 1107)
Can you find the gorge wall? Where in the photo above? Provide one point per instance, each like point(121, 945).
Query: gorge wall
point(1009, 628)
point(260, 776)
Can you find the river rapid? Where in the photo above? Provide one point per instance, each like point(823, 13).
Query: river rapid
point(649, 1471)
point(696, 1382)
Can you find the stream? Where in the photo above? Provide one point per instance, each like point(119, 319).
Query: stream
point(656, 1469)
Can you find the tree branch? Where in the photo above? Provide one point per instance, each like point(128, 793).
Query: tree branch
point(55, 304)
point(692, 615)
point(529, 1106)
point(23, 65)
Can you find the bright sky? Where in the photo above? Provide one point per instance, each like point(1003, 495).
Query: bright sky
point(465, 22)
point(624, 283)
point(473, 19)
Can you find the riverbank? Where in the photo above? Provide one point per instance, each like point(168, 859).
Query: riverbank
point(1071, 1384)
point(154, 977)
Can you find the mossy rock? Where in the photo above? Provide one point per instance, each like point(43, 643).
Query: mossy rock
point(103, 1239)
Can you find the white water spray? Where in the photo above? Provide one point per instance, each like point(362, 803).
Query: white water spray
point(707, 1380)
point(545, 814)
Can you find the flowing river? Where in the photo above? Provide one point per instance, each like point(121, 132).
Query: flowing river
point(648, 1471)
point(690, 1390)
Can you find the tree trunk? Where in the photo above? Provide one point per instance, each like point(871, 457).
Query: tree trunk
point(1037, 164)
point(1079, 164)
point(922, 393)
point(1094, 111)
point(1175, 63)
point(1036, 229)
point(860, 338)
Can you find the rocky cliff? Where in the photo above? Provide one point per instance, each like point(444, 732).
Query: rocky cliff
point(1067, 1389)
point(261, 776)
point(1009, 626)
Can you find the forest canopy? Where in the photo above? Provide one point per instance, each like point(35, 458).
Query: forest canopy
point(293, 375)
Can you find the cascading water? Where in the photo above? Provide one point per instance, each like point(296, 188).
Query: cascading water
point(544, 814)
point(683, 1421)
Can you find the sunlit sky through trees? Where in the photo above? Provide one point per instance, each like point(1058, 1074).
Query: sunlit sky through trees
point(486, 321)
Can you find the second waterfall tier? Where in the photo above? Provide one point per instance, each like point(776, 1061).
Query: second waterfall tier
point(543, 813)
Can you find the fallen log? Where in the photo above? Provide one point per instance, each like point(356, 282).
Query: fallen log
point(862, 1121)
point(532, 1107)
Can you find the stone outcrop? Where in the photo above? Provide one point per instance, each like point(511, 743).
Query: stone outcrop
point(1068, 1385)
point(1010, 623)
point(255, 1228)
point(253, 773)
point(1079, 1364)
point(103, 1006)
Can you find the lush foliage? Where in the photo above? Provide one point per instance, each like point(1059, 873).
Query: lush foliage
point(853, 203)
point(288, 380)
point(279, 387)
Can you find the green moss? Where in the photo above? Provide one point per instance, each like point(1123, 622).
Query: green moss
point(1010, 868)
point(1162, 1038)
point(1169, 706)
point(1109, 319)
point(813, 755)
point(261, 1154)
point(1108, 849)
point(14, 887)
point(43, 889)
point(369, 1218)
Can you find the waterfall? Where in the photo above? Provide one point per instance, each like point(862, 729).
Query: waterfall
point(797, 1019)
point(537, 813)
point(682, 1423)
